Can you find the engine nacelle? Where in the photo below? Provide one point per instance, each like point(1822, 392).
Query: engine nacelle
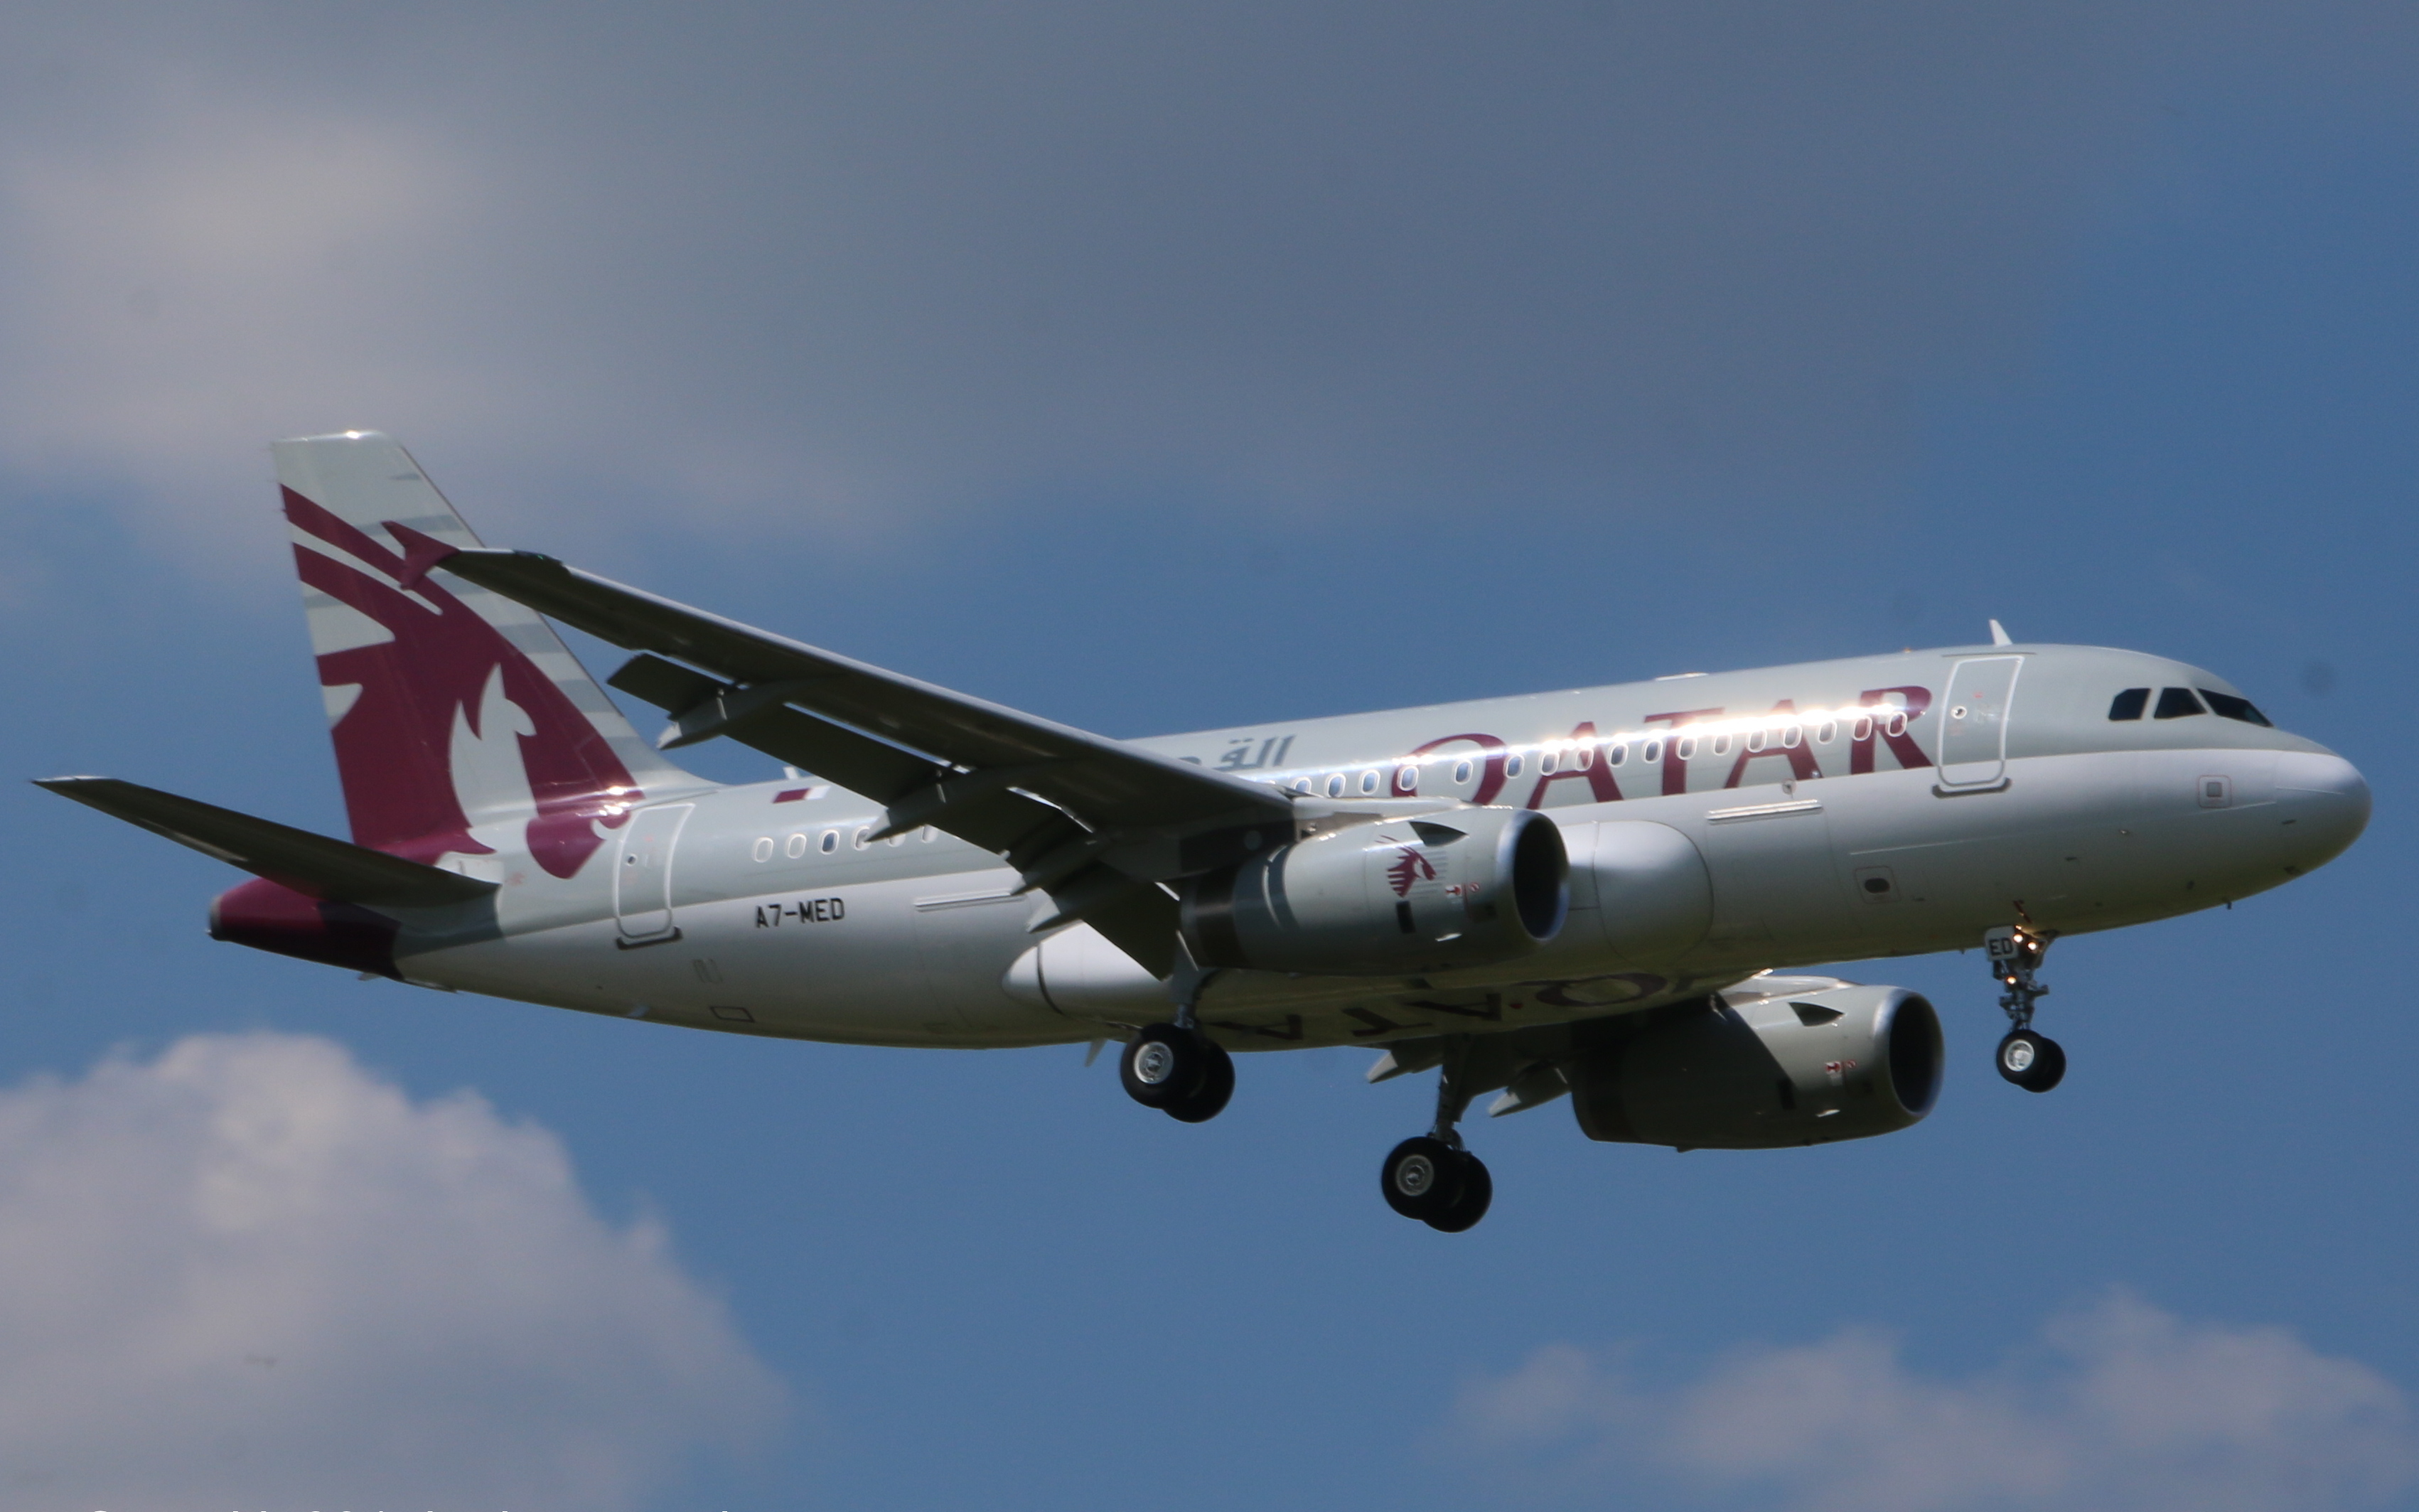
point(1460, 888)
point(1805, 1068)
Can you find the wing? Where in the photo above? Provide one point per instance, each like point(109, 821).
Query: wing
point(1094, 823)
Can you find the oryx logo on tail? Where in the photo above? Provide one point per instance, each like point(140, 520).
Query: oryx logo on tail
point(463, 724)
point(444, 726)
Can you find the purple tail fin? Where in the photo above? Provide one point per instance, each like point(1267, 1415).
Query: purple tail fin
point(463, 726)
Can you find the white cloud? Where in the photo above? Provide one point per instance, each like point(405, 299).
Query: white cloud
point(860, 265)
point(2126, 1406)
point(247, 1272)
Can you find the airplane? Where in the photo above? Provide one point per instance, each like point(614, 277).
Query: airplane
point(1609, 893)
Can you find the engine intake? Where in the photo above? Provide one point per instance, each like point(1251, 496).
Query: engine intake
point(1806, 1068)
point(1461, 887)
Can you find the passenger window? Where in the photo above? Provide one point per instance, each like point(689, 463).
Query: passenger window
point(795, 846)
point(831, 841)
point(1653, 754)
point(2130, 703)
point(2177, 704)
point(2229, 707)
point(1406, 780)
point(1512, 768)
point(1369, 782)
point(1335, 786)
point(1617, 755)
point(1460, 773)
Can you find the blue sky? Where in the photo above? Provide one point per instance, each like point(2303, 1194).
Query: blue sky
point(1160, 375)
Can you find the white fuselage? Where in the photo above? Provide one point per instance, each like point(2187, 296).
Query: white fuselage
point(1715, 826)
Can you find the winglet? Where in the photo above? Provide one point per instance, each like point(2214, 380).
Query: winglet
point(1999, 634)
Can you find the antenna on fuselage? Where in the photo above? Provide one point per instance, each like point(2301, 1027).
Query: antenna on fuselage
point(1999, 634)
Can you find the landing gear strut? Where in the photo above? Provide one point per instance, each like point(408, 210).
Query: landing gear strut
point(1174, 1066)
point(1430, 1176)
point(2032, 1061)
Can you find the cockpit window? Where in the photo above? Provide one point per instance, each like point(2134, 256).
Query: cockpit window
point(2130, 703)
point(2176, 703)
point(2228, 706)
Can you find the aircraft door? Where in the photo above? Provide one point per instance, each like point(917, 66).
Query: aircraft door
point(1974, 721)
point(642, 884)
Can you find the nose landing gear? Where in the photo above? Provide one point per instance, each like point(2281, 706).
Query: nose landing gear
point(2032, 1061)
point(1430, 1176)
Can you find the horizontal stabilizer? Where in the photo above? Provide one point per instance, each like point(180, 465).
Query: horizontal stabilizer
point(332, 869)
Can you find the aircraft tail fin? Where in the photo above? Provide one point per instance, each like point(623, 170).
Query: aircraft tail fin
point(463, 725)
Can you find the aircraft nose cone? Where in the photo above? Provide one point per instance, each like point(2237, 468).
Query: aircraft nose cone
point(2326, 801)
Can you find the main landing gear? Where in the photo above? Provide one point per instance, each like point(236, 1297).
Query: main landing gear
point(1430, 1176)
point(1174, 1066)
point(1179, 1071)
point(2032, 1061)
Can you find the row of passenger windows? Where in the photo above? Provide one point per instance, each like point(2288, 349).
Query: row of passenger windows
point(1550, 760)
point(798, 843)
point(1617, 753)
point(2182, 702)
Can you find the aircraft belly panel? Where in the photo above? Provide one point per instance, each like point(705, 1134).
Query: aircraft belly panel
point(1776, 882)
point(1649, 888)
point(965, 940)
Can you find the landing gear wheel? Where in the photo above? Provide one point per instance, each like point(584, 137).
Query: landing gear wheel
point(1469, 1203)
point(2032, 1061)
point(1207, 1099)
point(1423, 1178)
point(1164, 1065)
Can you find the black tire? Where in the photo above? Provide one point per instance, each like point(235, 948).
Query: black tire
point(1422, 1176)
point(1469, 1202)
point(1207, 1099)
point(2033, 1061)
point(1163, 1065)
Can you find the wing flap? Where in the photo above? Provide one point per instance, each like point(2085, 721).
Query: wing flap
point(315, 865)
point(999, 821)
point(1051, 852)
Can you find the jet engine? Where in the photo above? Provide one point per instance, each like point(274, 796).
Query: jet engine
point(1460, 888)
point(1759, 1073)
